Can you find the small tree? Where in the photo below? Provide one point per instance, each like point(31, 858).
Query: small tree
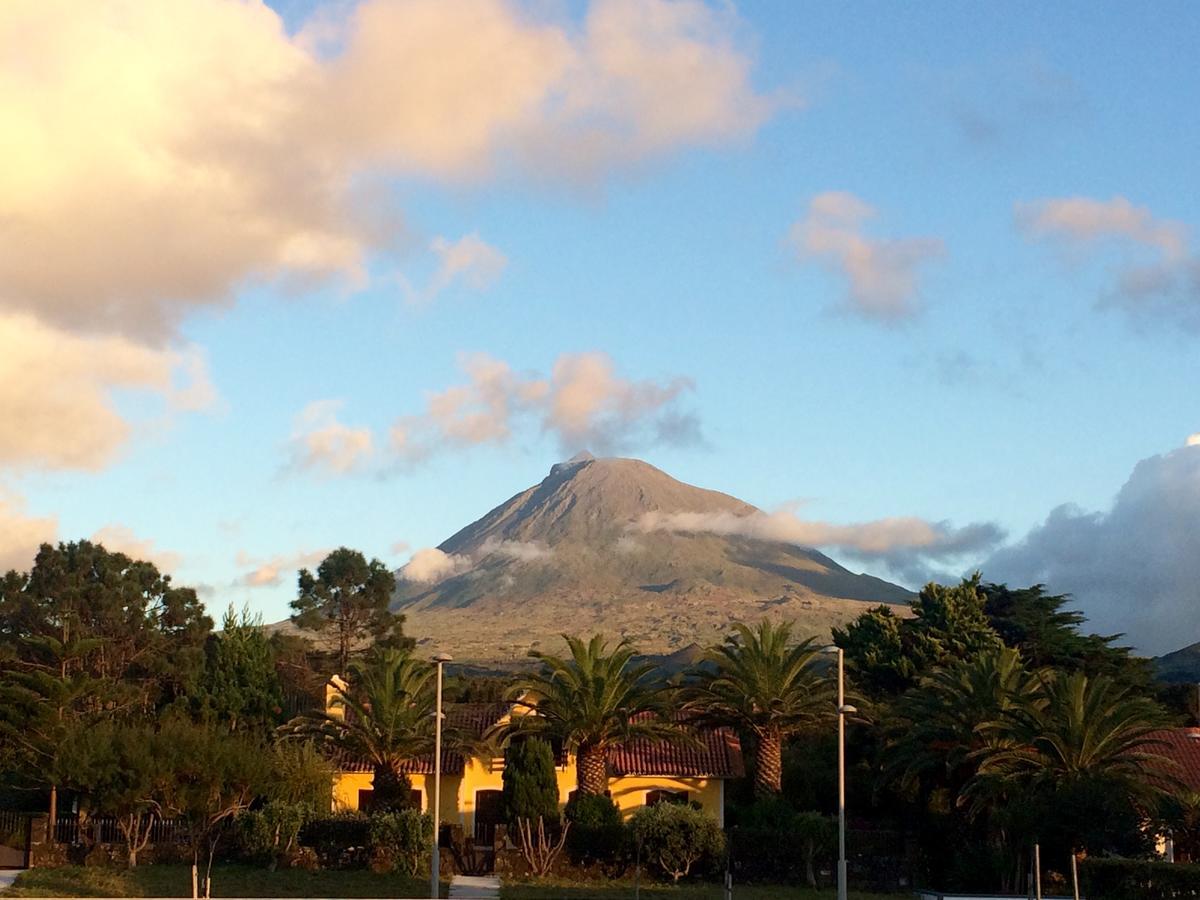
point(349, 597)
point(239, 686)
point(675, 837)
point(402, 837)
point(530, 783)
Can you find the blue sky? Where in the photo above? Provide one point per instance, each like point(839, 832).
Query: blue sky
point(1011, 178)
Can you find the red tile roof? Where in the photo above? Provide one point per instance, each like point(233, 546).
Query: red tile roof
point(1182, 747)
point(719, 754)
point(473, 718)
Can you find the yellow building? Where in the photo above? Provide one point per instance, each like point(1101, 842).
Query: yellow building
point(640, 774)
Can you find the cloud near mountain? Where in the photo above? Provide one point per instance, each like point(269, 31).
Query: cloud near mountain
point(911, 548)
point(1134, 568)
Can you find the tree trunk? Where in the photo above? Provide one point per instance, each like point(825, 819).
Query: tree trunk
point(392, 790)
point(593, 770)
point(768, 768)
point(52, 837)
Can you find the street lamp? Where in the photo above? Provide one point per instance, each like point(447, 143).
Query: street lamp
point(843, 710)
point(434, 888)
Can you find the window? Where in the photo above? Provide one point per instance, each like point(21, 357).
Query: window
point(661, 795)
point(415, 799)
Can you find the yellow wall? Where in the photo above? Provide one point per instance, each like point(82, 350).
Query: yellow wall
point(458, 791)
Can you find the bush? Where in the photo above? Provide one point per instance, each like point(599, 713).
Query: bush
point(530, 784)
point(677, 838)
point(404, 837)
point(264, 835)
point(1138, 879)
point(597, 834)
point(340, 840)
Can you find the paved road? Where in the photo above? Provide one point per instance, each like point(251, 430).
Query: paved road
point(7, 877)
point(477, 887)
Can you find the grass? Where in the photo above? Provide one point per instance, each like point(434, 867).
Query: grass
point(612, 890)
point(228, 881)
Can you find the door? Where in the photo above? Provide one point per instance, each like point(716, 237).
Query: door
point(489, 812)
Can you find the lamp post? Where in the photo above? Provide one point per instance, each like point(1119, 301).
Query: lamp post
point(843, 710)
point(440, 660)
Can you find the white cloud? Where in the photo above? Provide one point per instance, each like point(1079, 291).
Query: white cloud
point(1134, 568)
point(121, 539)
point(583, 403)
point(171, 151)
point(469, 260)
point(20, 534)
point(908, 546)
point(1155, 271)
point(322, 444)
point(58, 391)
point(271, 572)
point(882, 274)
point(518, 551)
point(431, 565)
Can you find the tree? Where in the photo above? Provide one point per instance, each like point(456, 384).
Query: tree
point(530, 783)
point(1048, 635)
point(764, 685)
point(676, 837)
point(349, 597)
point(942, 727)
point(384, 716)
point(118, 768)
point(213, 776)
point(1089, 745)
point(239, 686)
point(589, 703)
point(888, 655)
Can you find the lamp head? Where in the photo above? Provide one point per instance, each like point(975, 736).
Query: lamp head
point(443, 658)
point(832, 648)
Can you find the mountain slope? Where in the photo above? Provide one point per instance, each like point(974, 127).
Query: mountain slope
point(581, 552)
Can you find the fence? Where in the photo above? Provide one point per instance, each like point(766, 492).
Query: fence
point(71, 830)
point(879, 859)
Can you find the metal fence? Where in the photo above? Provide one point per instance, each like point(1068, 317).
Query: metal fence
point(106, 830)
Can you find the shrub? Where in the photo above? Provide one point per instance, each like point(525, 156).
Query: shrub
point(1138, 879)
point(340, 840)
point(597, 834)
point(266, 834)
point(404, 838)
point(530, 784)
point(676, 838)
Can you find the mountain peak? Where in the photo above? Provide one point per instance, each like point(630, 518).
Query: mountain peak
point(573, 553)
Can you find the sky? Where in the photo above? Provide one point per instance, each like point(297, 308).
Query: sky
point(921, 281)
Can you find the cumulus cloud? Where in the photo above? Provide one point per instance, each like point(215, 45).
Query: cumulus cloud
point(121, 539)
point(219, 147)
point(431, 565)
point(21, 534)
point(583, 402)
point(881, 274)
point(910, 547)
point(271, 571)
point(1155, 271)
point(322, 444)
point(1134, 568)
point(58, 390)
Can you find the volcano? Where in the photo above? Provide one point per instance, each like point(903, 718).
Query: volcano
point(618, 546)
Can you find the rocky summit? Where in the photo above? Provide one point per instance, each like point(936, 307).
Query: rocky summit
point(618, 546)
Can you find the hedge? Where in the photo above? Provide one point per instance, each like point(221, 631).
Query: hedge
point(1138, 879)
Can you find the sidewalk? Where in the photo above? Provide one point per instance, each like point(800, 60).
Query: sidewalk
point(477, 887)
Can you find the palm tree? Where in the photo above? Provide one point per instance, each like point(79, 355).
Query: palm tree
point(384, 717)
point(760, 682)
point(590, 702)
point(944, 724)
point(1088, 745)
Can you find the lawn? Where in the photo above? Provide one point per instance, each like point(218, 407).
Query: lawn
point(612, 890)
point(228, 881)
